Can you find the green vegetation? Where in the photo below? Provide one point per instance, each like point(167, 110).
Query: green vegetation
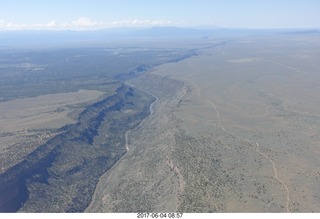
point(60, 176)
point(62, 169)
point(34, 73)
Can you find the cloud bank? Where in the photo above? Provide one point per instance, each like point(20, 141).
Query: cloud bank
point(83, 23)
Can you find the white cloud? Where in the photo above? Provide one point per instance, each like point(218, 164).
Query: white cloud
point(137, 22)
point(12, 26)
point(83, 23)
point(52, 24)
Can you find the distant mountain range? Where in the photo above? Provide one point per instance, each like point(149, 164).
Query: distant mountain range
point(304, 32)
point(30, 38)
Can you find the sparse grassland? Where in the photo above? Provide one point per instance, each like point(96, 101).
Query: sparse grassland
point(243, 137)
point(264, 109)
point(233, 127)
point(65, 116)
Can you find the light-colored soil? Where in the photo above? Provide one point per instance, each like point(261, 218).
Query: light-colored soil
point(46, 111)
point(156, 183)
point(28, 123)
point(267, 105)
point(238, 135)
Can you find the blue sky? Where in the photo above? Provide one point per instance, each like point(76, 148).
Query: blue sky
point(93, 14)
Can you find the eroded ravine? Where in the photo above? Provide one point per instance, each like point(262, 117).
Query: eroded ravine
point(148, 177)
point(60, 176)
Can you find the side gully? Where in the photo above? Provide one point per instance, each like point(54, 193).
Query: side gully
point(37, 167)
point(14, 192)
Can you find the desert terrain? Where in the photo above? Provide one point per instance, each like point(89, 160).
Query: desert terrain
point(66, 116)
point(204, 124)
point(234, 129)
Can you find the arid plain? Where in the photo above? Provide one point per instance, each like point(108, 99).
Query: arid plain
point(27, 123)
point(204, 124)
point(234, 129)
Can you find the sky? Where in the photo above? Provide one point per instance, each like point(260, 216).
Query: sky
point(97, 14)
